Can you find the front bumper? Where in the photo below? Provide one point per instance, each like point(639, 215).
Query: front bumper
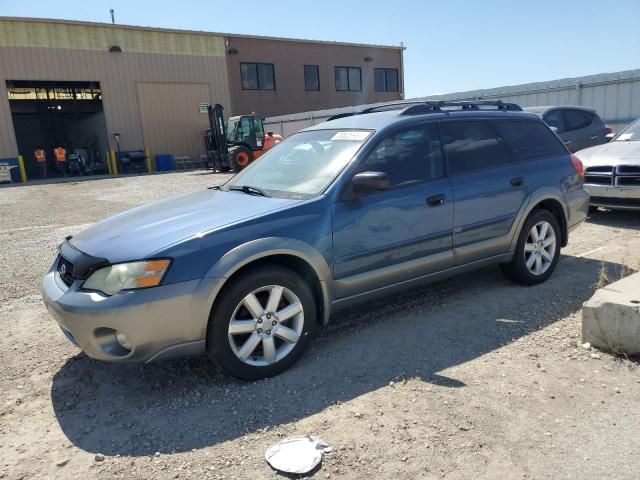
point(160, 322)
point(614, 197)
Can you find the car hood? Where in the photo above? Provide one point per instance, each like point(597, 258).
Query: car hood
point(613, 153)
point(142, 231)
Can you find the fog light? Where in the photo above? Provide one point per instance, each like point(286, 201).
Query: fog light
point(123, 340)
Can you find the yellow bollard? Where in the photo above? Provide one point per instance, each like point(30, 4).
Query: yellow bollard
point(107, 158)
point(114, 163)
point(23, 172)
point(147, 155)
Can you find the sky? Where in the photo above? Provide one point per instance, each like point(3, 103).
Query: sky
point(451, 46)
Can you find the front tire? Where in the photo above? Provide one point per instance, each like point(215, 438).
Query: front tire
point(240, 157)
point(537, 251)
point(262, 323)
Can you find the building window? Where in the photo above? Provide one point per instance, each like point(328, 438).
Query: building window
point(386, 79)
point(348, 79)
point(311, 78)
point(257, 76)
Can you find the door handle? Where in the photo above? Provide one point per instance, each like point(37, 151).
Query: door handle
point(435, 200)
point(517, 182)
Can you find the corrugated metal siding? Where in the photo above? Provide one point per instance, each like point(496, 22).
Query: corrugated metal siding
point(32, 50)
point(171, 121)
point(615, 96)
point(117, 74)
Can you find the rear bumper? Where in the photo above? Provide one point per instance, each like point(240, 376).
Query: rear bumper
point(623, 198)
point(578, 207)
point(160, 322)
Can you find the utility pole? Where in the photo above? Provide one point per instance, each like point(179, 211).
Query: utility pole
point(112, 12)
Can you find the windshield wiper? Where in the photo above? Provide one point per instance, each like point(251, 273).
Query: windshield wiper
point(250, 190)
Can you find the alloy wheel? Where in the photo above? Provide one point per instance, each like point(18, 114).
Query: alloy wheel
point(540, 248)
point(266, 325)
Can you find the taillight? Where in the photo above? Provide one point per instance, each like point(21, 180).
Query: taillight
point(608, 130)
point(577, 164)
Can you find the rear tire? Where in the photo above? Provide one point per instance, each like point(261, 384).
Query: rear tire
point(240, 157)
point(262, 323)
point(537, 251)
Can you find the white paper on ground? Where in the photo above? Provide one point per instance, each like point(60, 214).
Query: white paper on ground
point(296, 455)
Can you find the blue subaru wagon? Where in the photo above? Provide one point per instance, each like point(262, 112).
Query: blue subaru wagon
point(339, 213)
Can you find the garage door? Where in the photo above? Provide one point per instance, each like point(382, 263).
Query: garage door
point(171, 118)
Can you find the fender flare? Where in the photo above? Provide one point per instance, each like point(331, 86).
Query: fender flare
point(535, 197)
point(249, 252)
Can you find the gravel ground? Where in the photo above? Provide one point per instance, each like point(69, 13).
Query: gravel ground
point(474, 377)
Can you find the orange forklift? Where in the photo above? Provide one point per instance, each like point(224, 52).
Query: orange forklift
point(233, 144)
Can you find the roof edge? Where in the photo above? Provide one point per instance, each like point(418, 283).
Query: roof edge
point(194, 32)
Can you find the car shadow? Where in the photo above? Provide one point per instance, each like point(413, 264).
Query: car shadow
point(628, 219)
point(176, 406)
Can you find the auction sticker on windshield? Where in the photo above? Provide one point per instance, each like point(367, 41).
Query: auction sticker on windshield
point(351, 135)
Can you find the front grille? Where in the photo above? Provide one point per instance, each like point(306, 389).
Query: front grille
point(597, 179)
point(622, 175)
point(604, 169)
point(599, 175)
point(65, 269)
point(625, 169)
point(629, 181)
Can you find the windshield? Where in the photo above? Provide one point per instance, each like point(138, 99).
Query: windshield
point(303, 165)
point(630, 134)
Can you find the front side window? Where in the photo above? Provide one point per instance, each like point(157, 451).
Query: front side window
point(386, 79)
point(407, 157)
point(529, 140)
point(257, 76)
point(311, 78)
point(472, 146)
point(348, 79)
point(303, 165)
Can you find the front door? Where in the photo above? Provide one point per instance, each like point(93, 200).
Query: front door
point(405, 232)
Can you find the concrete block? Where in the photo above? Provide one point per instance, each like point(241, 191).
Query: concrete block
point(611, 318)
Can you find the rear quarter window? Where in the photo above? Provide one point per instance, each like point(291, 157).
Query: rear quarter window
point(575, 119)
point(529, 140)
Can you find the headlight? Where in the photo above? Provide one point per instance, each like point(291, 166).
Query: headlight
point(110, 280)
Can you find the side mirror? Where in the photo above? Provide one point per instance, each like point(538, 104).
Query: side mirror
point(369, 182)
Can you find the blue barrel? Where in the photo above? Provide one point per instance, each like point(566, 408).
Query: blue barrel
point(164, 163)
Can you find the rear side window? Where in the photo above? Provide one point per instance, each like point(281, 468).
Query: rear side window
point(529, 140)
point(472, 146)
point(575, 119)
point(407, 157)
point(554, 119)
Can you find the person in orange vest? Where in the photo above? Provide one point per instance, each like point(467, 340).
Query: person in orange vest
point(41, 159)
point(60, 155)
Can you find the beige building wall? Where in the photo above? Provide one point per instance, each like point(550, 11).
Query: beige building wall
point(70, 51)
point(289, 58)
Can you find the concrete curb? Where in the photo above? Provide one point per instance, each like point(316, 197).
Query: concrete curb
point(611, 318)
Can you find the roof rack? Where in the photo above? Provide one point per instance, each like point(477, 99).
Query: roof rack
point(434, 106)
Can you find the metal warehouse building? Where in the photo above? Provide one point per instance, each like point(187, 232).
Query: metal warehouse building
point(615, 96)
point(98, 87)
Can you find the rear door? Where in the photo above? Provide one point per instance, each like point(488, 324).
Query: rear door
point(578, 129)
point(387, 237)
point(489, 188)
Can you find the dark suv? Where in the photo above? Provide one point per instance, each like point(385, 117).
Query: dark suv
point(577, 127)
point(341, 212)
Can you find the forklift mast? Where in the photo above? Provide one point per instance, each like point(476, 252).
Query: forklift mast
point(217, 148)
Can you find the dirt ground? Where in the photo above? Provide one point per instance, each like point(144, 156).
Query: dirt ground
point(474, 377)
